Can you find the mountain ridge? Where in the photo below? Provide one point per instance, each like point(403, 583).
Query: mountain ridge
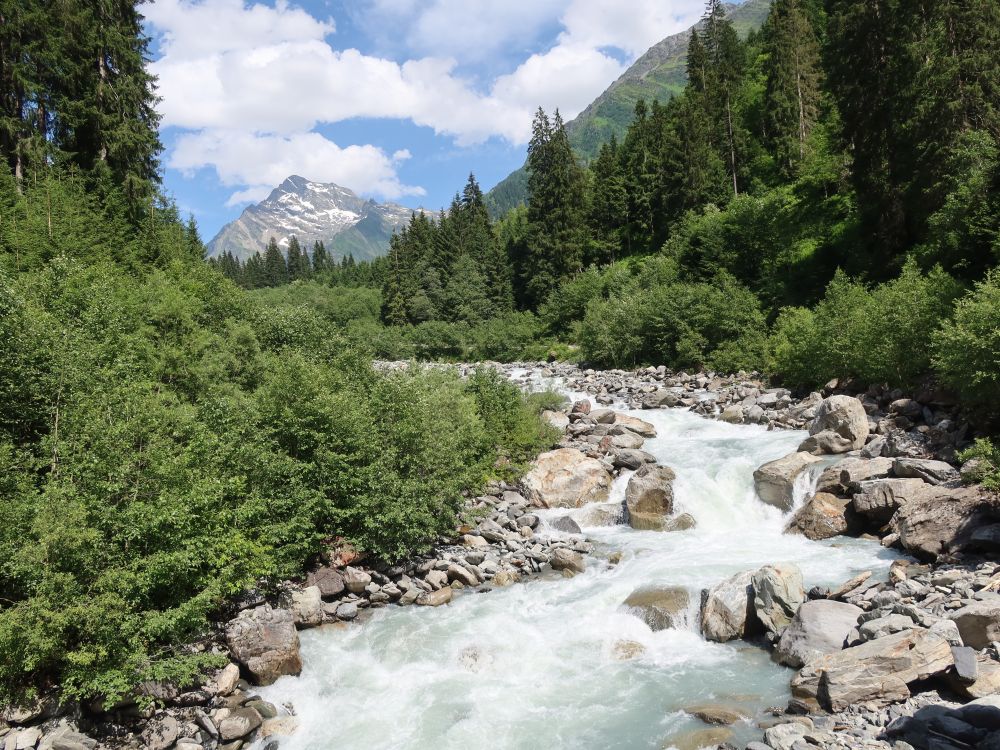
point(312, 211)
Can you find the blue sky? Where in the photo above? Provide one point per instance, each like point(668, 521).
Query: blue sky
point(395, 99)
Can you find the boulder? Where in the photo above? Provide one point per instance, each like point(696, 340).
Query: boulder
point(162, 733)
point(306, 606)
point(356, 580)
point(435, 598)
point(567, 559)
point(727, 611)
point(225, 681)
point(822, 517)
point(778, 594)
point(819, 627)
point(264, 641)
point(852, 471)
point(878, 671)
point(879, 499)
point(840, 426)
point(979, 623)
point(566, 478)
point(660, 607)
point(683, 522)
point(932, 472)
point(775, 481)
point(329, 582)
point(631, 458)
point(556, 419)
point(236, 723)
point(697, 739)
point(942, 520)
point(600, 514)
point(649, 497)
point(566, 525)
point(733, 414)
point(716, 714)
point(636, 425)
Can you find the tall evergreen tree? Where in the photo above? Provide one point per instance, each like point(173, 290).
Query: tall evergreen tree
point(726, 62)
point(608, 203)
point(556, 209)
point(275, 272)
point(297, 261)
point(793, 70)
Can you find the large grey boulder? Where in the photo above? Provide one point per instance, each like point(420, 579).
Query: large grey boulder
point(819, 627)
point(879, 499)
point(847, 474)
point(727, 611)
point(979, 623)
point(306, 606)
point(264, 641)
point(634, 424)
point(328, 580)
point(840, 426)
point(943, 520)
point(566, 478)
point(932, 472)
point(775, 480)
point(649, 497)
point(777, 595)
point(822, 517)
point(659, 607)
point(878, 671)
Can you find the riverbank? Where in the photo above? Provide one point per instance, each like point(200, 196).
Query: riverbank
point(510, 535)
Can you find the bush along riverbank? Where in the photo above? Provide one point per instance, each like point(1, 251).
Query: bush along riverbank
point(879, 662)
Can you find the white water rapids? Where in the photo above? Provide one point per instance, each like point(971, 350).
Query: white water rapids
point(539, 664)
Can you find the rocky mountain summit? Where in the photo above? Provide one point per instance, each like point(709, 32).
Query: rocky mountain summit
point(313, 211)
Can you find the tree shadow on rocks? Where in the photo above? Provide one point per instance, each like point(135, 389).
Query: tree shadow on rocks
point(974, 725)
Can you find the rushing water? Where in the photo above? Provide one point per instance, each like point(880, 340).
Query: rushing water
point(556, 663)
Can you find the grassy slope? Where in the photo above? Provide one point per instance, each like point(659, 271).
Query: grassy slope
point(660, 74)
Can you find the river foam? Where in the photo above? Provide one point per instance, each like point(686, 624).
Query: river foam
point(559, 663)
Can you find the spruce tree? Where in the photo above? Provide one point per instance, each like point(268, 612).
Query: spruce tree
point(275, 269)
point(320, 258)
point(726, 62)
point(792, 95)
point(556, 209)
point(608, 203)
point(296, 260)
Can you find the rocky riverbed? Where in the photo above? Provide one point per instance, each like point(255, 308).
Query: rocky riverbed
point(908, 661)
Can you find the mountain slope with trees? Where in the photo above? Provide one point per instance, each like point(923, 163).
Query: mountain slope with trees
point(660, 74)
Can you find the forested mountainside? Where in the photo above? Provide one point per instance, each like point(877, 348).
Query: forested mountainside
point(659, 75)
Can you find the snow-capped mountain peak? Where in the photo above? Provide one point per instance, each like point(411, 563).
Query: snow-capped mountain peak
point(313, 211)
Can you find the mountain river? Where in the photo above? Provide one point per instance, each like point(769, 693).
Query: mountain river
point(539, 664)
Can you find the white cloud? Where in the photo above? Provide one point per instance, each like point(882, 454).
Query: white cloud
point(263, 161)
point(249, 83)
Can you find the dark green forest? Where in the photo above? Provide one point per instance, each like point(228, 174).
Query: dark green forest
point(821, 201)
point(169, 441)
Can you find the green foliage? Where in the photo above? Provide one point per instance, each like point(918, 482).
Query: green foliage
point(539, 401)
point(508, 415)
point(657, 318)
point(880, 335)
point(966, 349)
point(984, 457)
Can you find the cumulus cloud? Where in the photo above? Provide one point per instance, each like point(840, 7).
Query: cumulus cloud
point(251, 82)
point(263, 161)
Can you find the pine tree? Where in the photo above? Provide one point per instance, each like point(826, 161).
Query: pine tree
point(254, 276)
point(296, 261)
point(320, 259)
point(697, 63)
point(608, 203)
point(726, 58)
point(195, 247)
point(556, 209)
point(792, 96)
point(275, 272)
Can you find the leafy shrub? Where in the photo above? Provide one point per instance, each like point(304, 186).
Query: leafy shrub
point(661, 320)
point(505, 338)
point(967, 348)
point(879, 335)
point(540, 401)
point(986, 458)
point(436, 339)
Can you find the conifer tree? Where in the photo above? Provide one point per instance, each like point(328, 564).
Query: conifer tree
point(275, 271)
point(556, 209)
point(320, 258)
point(608, 202)
point(726, 61)
point(295, 262)
point(792, 95)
